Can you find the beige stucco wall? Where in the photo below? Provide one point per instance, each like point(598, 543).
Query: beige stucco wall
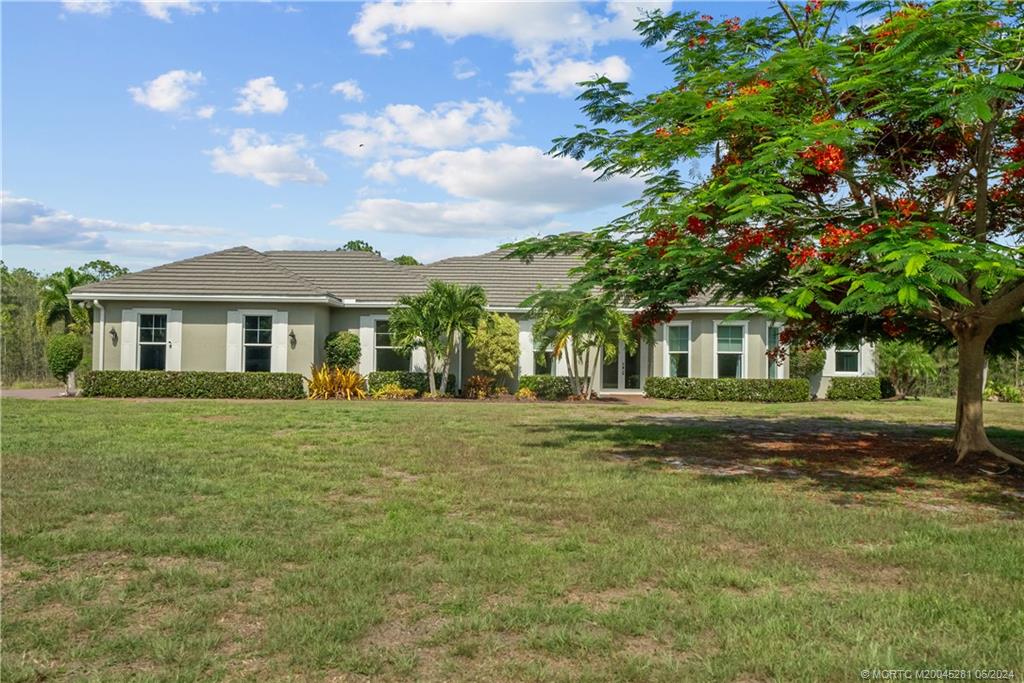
point(204, 338)
point(702, 344)
point(204, 332)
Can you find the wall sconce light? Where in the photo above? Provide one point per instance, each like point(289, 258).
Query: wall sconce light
point(291, 338)
point(113, 336)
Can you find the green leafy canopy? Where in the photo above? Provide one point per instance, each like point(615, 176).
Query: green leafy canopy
point(862, 179)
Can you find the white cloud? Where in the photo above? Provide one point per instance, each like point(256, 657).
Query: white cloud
point(464, 69)
point(528, 26)
point(519, 176)
point(168, 92)
point(507, 189)
point(255, 155)
point(549, 37)
point(401, 128)
point(261, 95)
point(98, 7)
point(561, 77)
point(161, 9)
point(31, 223)
point(349, 89)
point(206, 112)
point(436, 218)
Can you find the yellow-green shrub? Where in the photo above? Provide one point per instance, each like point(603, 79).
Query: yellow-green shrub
point(333, 382)
point(393, 391)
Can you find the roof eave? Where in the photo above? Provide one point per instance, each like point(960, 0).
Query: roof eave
point(169, 296)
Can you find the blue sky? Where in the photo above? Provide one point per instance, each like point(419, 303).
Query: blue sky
point(146, 132)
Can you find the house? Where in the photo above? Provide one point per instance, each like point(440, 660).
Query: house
point(242, 310)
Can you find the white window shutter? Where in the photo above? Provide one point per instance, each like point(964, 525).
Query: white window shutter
point(279, 341)
point(233, 361)
point(129, 339)
point(174, 340)
point(526, 366)
point(366, 352)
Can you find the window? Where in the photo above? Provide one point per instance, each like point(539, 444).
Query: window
point(774, 367)
point(257, 332)
point(678, 351)
point(848, 360)
point(730, 350)
point(152, 341)
point(386, 356)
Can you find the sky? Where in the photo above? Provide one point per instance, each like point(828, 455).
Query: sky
point(146, 132)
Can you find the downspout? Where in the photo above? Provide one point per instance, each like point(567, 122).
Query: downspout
point(103, 324)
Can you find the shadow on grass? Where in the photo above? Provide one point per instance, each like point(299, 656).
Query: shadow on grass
point(846, 458)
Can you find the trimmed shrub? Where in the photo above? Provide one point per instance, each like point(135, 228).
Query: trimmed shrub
point(342, 349)
point(159, 384)
point(547, 387)
point(406, 380)
point(525, 394)
point(806, 364)
point(854, 389)
point(496, 347)
point(728, 389)
point(393, 392)
point(63, 354)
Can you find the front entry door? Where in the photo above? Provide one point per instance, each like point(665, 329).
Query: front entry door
point(625, 371)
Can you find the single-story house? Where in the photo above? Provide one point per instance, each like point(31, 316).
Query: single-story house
point(241, 310)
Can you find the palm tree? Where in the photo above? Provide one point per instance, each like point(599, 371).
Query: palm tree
point(436, 320)
point(581, 326)
point(905, 365)
point(56, 306)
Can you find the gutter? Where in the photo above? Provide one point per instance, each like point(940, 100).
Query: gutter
point(220, 298)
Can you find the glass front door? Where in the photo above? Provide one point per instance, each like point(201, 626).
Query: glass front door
point(623, 372)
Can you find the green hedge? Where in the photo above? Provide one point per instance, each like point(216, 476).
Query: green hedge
point(695, 389)
point(854, 389)
point(406, 380)
point(159, 384)
point(547, 387)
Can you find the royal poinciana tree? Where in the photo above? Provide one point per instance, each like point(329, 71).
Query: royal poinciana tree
point(855, 170)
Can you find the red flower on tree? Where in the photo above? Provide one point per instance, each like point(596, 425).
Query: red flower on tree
point(696, 226)
point(655, 314)
point(800, 256)
point(828, 159)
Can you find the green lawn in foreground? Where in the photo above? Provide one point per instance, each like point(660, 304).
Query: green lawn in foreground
point(247, 540)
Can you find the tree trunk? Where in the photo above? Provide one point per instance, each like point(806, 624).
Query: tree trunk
point(449, 352)
point(71, 387)
point(970, 424)
point(430, 372)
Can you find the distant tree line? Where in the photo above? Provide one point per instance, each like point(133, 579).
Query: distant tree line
point(361, 245)
point(34, 308)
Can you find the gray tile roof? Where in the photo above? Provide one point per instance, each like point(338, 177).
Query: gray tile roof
point(236, 271)
point(339, 276)
point(359, 275)
point(506, 281)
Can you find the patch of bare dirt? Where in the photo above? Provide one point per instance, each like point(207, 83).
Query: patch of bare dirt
point(605, 599)
point(215, 418)
point(400, 475)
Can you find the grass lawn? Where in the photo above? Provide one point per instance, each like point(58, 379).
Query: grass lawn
point(658, 541)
